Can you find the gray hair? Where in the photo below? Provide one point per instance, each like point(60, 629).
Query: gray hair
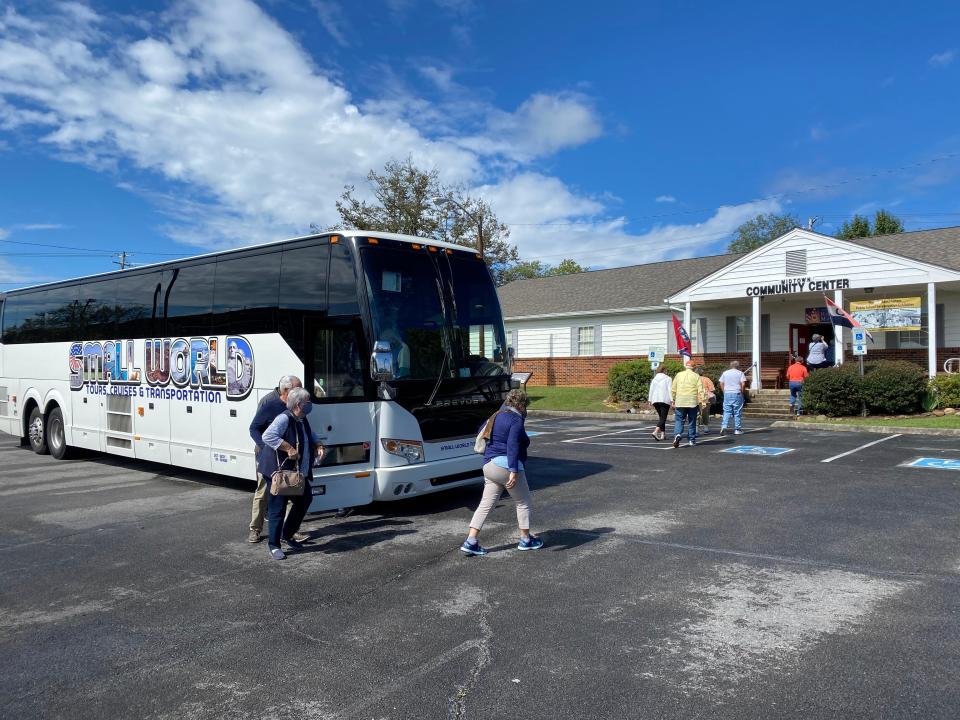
point(517, 398)
point(735, 364)
point(297, 396)
point(287, 382)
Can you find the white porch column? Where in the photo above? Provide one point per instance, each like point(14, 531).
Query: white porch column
point(755, 382)
point(932, 329)
point(687, 325)
point(838, 331)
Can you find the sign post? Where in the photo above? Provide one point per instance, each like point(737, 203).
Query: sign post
point(655, 355)
point(858, 341)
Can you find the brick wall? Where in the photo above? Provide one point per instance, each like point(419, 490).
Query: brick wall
point(592, 371)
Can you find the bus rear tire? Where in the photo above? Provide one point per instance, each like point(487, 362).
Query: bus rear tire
point(56, 436)
point(37, 432)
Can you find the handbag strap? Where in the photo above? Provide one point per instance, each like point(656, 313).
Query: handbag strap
point(276, 450)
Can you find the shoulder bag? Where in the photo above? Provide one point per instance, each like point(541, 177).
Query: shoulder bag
point(483, 437)
point(288, 482)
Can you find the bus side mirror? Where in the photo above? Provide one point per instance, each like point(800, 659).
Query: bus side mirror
point(510, 351)
point(381, 362)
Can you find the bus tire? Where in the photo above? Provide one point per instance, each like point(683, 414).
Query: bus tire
point(56, 435)
point(37, 432)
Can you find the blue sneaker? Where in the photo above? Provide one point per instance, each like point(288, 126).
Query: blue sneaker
point(277, 554)
point(531, 543)
point(469, 548)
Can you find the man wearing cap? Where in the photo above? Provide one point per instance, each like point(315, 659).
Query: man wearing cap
point(688, 394)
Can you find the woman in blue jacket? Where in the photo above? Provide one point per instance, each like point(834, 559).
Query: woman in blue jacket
point(503, 470)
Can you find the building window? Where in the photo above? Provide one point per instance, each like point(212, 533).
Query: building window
point(585, 344)
point(744, 334)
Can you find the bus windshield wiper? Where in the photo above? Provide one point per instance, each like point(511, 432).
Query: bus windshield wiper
point(444, 342)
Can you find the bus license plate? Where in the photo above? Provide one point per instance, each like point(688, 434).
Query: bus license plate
point(319, 490)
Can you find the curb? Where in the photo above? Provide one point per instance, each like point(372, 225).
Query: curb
point(604, 415)
point(879, 429)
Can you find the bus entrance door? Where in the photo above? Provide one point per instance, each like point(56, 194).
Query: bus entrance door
point(343, 416)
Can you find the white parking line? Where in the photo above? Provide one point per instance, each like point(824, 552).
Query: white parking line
point(648, 428)
point(862, 447)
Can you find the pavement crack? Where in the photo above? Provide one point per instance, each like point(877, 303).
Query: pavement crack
point(458, 702)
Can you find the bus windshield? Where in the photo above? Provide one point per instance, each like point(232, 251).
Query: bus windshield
point(438, 312)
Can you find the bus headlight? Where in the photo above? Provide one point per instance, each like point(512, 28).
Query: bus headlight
point(409, 450)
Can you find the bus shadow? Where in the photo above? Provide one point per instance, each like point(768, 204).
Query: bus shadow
point(355, 534)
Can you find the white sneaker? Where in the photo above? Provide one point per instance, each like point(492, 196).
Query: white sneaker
point(738, 432)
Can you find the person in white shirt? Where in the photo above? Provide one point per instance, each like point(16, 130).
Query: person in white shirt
point(817, 353)
point(732, 382)
point(659, 395)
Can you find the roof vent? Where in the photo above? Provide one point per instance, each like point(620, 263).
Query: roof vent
point(796, 262)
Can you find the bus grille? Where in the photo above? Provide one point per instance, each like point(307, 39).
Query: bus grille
point(456, 477)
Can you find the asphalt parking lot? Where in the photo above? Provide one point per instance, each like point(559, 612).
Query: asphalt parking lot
point(822, 581)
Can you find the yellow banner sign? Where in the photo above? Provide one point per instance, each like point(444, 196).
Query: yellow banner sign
point(887, 314)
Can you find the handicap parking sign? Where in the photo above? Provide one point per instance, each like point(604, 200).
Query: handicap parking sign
point(935, 463)
point(757, 450)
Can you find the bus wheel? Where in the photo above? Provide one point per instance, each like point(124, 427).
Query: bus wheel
point(36, 433)
point(56, 437)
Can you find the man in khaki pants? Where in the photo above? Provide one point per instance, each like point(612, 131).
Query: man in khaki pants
point(270, 406)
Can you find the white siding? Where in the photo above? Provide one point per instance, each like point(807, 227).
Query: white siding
point(634, 337)
point(826, 260)
point(544, 342)
point(951, 316)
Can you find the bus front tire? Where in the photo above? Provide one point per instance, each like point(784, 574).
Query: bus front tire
point(37, 432)
point(56, 436)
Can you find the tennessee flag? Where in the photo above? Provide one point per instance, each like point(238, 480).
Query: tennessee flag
point(839, 316)
point(683, 340)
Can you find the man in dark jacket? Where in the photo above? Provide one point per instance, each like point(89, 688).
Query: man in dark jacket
point(270, 406)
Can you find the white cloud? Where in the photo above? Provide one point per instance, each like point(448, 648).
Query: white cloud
point(542, 125)
point(817, 132)
point(4, 233)
point(665, 199)
point(158, 62)
point(943, 59)
point(41, 226)
point(332, 19)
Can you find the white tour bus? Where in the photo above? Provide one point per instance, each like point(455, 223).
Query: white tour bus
point(399, 340)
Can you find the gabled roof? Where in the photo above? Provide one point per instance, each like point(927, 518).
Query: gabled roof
point(636, 286)
point(937, 247)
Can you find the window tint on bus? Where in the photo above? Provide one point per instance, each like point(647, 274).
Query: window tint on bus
point(336, 370)
point(343, 282)
point(24, 318)
point(303, 292)
point(245, 294)
point(134, 304)
point(95, 303)
point(188, 300)
point(61, 311)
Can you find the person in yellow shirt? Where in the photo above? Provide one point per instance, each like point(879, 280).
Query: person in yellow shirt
point(688, 394)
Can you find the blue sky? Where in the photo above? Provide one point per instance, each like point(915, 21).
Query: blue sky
point(611, 132)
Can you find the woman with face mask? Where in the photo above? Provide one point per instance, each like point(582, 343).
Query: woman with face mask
point(290, 441)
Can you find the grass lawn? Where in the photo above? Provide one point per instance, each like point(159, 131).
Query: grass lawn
point(945, 422)
point(582, 399)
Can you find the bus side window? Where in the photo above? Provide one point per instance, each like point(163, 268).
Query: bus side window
point(245, 294)
point(344, 284)
point(337, 366)
point(189, 300)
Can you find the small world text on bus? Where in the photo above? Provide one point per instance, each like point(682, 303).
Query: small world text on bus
point(197, 368)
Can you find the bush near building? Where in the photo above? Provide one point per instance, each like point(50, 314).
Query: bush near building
point(946, 391)
point(888, 387)
point(630, 381)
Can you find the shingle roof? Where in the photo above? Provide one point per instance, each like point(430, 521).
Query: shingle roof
point(624, 287)
point(937, 247)
point(648, 285)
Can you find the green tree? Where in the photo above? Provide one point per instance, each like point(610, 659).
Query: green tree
point(527, 269)
point(856, 228)
point(761, 230)
point(885, 223)
point(413, 201)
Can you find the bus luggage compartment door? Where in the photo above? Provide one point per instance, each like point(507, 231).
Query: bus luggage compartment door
point(345, 478)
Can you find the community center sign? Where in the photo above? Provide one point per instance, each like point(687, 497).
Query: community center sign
point(798, 285)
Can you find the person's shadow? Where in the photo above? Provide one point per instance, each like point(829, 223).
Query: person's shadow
point(562, 539)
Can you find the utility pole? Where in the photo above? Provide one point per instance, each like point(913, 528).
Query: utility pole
point(122, 260)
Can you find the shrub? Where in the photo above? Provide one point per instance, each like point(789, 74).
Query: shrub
point(833, 391)
point(894, 387)
point(946, 390)
point(673, 366)
point(630, 381)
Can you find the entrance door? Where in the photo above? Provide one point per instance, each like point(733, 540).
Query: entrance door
point(799, 339)
point(343, 414)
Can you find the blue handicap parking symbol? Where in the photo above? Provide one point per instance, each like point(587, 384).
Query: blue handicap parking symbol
point(935, 463)
point(533, 434)
point(757, 450)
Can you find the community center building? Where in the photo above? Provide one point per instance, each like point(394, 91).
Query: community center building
point(758, 307)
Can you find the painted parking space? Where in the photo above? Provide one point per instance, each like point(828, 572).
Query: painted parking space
point(641, 438)
point(758, 450)
point(932, 463)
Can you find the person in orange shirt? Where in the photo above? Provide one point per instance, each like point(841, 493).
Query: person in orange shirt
point(710, 391)
point(796, 374)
